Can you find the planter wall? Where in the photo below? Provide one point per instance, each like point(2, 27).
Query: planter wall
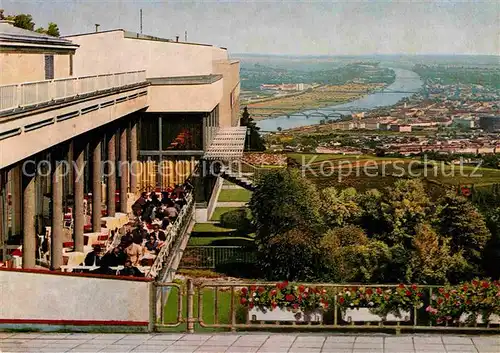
point(364, 315)
point(493, 319)
point(282, 314)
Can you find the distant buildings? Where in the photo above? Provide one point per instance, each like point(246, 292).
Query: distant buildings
point(490, 123)
point(285, 87)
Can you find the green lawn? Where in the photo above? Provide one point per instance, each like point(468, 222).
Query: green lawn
point(210, 228)
point(219, 211)
point(234, 195)
point(220, 241)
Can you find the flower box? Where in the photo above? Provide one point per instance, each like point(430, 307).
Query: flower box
point(282, 314)
point(493, 319)
point(364, 315)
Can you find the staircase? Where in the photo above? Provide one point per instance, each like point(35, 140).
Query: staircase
point(241, 179)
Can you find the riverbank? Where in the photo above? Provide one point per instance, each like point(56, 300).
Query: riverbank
point(319, 97)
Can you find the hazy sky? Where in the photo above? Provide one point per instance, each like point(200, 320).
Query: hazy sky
point(290, 27)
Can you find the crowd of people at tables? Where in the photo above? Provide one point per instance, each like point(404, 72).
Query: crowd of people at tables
point(154, 216)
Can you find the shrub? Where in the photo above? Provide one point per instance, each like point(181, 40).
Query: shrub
point(236, 219)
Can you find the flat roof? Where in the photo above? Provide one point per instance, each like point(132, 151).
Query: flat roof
point(140, 36)
point(14, 36)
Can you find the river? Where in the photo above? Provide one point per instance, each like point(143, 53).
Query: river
point(406, 80)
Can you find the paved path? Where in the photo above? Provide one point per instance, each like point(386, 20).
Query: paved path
point(246, 343)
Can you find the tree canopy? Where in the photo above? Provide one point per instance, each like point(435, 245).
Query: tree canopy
point(25, 21)
point(254, 140)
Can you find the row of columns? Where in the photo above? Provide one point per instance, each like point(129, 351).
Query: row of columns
point(76, 151)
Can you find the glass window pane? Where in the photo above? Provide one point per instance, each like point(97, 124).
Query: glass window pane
point(182, 132)
point(149, 133)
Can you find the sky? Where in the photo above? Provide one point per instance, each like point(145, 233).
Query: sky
point(305, 27)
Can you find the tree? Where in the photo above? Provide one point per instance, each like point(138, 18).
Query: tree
point(284, 200)
point(491, 257)
point(404, 205)
point(431, 260)
point(255, 142)
point(466, 229)
point(24, 21)
point(339, 208)
point(53, 30)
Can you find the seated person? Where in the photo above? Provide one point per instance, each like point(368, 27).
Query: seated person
point(156, 231)
point(93, 258)
point(117, 257)
point(161, 240)
point(165, 223)
point(151, 244)
point(134, 252)
point(130, 271)
point(171, 211)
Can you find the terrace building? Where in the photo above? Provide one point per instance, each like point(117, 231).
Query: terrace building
point(152, 108)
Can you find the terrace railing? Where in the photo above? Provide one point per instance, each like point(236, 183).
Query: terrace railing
point(177, 229)
point(216, 305)
point(37, 93)
point(210, 257)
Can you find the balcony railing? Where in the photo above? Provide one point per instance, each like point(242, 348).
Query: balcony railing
point(41, 92)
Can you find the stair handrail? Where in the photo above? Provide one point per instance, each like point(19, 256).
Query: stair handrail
point(171, 236)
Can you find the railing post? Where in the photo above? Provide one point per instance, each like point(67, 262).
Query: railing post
point(152, 307)
point(190, 306)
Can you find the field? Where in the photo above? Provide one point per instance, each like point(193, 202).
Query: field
point(234, 195)
point(365, 172)
point(316, 98)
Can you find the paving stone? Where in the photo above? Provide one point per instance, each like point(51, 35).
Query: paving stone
point(460, 348)
point(338, 345)
point(486, 341)
point(273, 350)
point(399, 340)
point(149, 348)
point(220, 340)
point(85, 350)
point(82, 335)
point(195, 338)
point(370, 339)
point(308, 341)
point(117, 349)
point(396, 348)
point(304, 350)
point(5, 335)
point(250, 340)
point(426, 340)
point(100, 341)
point(28, 335)
point(242, 349)
point(375, 345)
point(336, 350)
point(340, 339)
point(485, 349)
point(456, 340)
point(167, 337)
point(181, 349)
point(211, 349)
point(280, 340)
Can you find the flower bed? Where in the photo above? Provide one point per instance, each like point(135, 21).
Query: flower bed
point(469, 303)
point(388, 304)
point(304, 303)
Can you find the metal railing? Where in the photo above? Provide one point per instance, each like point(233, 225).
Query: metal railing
point(40, 92)
point(213, 256)
point(216, 305)
point(172, 235)
point(69, 268)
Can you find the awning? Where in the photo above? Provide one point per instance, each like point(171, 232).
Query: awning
point(228, 144)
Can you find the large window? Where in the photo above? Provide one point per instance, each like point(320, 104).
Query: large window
point(149, 132)
point(182, 132)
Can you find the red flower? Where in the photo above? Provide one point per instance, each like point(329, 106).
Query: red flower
point(446, 295)
point(302, 289)
point(408, 293)
point(441, 290)
point(244, 290)
point(295, 306)
point(305, 295)
point(285, 284)
point(262, 290)
point(243, 300)
point(253, 288)
point(475, 283)
point(465, 288)
point(251, 305)
point(379, 291)
point(420, 295)
point(274, 305)
point(440, 301)
point(289, 297)
point(485, 284)
point(273, 292)
point(414, 286)
point(341, 300)
point(401, 285)
point(369, 291)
